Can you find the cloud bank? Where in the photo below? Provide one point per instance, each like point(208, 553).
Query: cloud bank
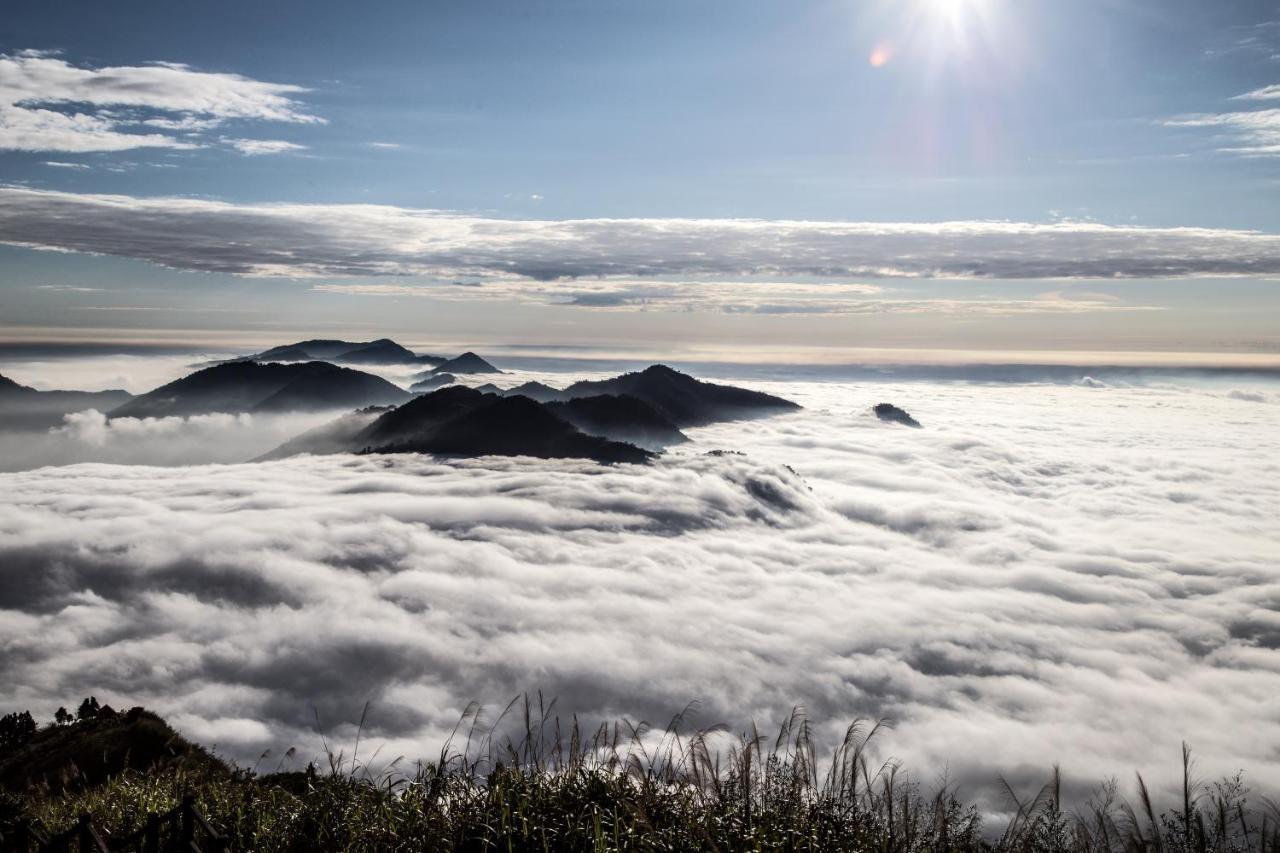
point(1071, 574)
point(742, 297)
point(89, 436)
point(300, 240)
point(48, 104)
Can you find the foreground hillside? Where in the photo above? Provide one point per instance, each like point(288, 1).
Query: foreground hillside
point(547, 785)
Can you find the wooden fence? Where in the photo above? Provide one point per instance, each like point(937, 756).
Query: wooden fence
point(182, 828)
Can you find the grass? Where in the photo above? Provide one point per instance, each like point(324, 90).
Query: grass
point(551, 786)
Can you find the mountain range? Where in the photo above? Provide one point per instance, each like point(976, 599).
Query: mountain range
point(606, 427)
point(250, 386)
point(624, 419)
point(381, 351)
point(24, 408)
point(676, 396)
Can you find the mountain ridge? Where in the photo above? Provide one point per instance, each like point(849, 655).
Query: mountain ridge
point(250, 386)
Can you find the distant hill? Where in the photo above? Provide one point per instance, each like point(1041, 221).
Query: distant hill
point(535, 391)
point(463, 421)
point(90, 751)
point(418, 417)
point(336, 436)
point(891, 414)
point(468, 362)
point(615, 420)
point(248, 386)
point(431, 383)
point(621, 418)
point(381, 351)
point(24, 408)
point(518, 426)
point(683, 400)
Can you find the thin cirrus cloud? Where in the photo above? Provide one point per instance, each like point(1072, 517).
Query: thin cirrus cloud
point(1249, 133)
point(343, 240)
point(48, 104)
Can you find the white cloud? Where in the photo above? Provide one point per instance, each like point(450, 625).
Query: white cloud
point(1042, 574)
point(89, 436)
point(1266, 93)
point(64, 165)
point(300, 240)
point(738, 297)
point(48, 104)
point(255, 147)
point(1251, 133)
point(389, 146)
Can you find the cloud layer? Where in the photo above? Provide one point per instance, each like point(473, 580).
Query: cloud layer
point(1075, 574)
point(361, 240)
point(47, 104)
point(742, 297)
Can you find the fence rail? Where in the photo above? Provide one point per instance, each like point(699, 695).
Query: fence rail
point(182, 828)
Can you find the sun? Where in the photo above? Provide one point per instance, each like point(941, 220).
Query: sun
point(956, 12)
point(941, 36)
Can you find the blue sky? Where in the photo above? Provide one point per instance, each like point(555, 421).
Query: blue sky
point(1121, 112)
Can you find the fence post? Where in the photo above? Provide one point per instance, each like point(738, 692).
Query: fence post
point(151, 840)
point(188, 820)
point(84, 838)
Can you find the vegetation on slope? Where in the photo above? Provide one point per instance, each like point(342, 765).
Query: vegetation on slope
point(550, 786)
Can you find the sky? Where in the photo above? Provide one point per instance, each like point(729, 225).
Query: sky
point(905, 174)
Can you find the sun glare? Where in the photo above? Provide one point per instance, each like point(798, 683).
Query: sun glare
point(955, 10)
point(938, 34)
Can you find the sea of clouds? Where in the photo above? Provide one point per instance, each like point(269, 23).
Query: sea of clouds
point(1084, 574)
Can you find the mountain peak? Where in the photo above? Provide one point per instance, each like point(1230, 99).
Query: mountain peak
point(468, 362)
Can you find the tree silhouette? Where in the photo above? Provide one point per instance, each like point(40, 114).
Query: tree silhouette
point(62, 717)
point(16, 729)
point(88, 709)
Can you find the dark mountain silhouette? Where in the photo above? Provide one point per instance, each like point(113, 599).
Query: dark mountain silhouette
point(463, 421)
point(338, 388)
point(90, 751)
point(642, 409)
point(247, 386)
point(621, 418)
point(381, 351)
point(24, 408)
point(518, 426)
point(336, 436)
point(420, 416)
point(488, 388)
point(468, 362)
point(288, 353)
point(315, 350)
point(431, 383)
point(535, 391)
point(891, 414)
point(683, 400)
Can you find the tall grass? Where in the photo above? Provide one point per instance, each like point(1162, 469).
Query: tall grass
point(533, 781)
